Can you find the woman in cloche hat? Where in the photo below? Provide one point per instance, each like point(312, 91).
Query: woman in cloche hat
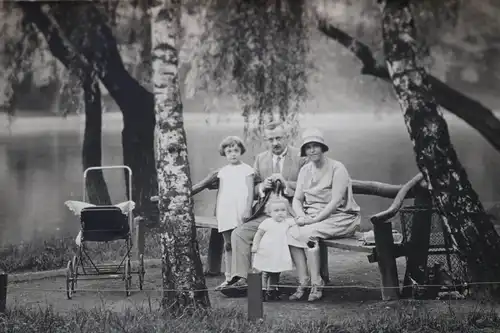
point(325, 208)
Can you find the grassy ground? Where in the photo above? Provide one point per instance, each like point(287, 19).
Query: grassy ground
point(405, 319)
point(54, 253)
point(100, 305)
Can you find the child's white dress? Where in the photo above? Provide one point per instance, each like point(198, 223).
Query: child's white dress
point(233, 195)
point(273, 254)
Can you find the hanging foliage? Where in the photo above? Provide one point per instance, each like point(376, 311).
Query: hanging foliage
point(19, 44)
point(257, 51)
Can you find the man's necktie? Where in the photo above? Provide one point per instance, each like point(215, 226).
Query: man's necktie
point(277, 168)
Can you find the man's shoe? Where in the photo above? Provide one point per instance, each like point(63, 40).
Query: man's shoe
point(221, 286)
point(241, 283)
point(236, 289)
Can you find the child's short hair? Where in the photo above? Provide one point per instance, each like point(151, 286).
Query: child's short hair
point(273, 199)
point(231, 141)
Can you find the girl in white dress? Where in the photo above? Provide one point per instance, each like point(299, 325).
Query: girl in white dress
point(235, 195)
point(270, 245)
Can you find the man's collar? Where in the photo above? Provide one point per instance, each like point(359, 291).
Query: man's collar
point(282, 154)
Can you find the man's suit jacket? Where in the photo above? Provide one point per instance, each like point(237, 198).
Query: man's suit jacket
point(292, 164)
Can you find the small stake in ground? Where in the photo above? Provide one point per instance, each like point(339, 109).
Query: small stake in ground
point(255, 306)
point(3, 291)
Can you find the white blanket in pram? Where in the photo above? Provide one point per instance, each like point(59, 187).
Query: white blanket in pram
point(77, 206)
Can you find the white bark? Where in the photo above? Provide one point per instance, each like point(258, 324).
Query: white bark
point(181, 262)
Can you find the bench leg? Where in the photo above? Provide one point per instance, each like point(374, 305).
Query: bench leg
point(323, 254)
point(384, 245)
point(418, 247)
point(140, 230)
point(215, 252)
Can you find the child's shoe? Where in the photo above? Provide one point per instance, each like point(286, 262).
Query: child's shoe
point(276, 295)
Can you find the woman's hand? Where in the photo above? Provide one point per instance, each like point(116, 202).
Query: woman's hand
point(303, 220)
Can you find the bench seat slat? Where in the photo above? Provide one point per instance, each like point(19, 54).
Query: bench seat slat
point(350, 244)
point(205, 221)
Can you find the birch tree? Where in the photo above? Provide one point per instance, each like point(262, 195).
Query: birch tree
point(183, 281)
point(463, 214)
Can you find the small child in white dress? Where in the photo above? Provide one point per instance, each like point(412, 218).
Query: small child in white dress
point(270, 245)
point(235, 195)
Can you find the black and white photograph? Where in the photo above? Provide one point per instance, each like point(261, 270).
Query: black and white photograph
point(249, 166)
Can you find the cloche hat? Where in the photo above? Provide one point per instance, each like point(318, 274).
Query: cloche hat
point(312, 135)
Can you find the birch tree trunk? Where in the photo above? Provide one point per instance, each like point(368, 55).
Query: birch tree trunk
point(458, 203)
point(183, 281)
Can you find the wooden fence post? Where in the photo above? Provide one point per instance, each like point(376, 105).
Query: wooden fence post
point(384, 245)
point(3, 291)
point(255, 305)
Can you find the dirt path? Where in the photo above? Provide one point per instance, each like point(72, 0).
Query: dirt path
point(347, 270)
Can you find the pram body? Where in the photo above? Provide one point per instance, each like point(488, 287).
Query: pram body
point(105, 223)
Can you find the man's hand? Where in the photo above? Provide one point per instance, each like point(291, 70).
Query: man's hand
point(267, 183)
point(278, 176)
point(287, 191)
point(246, 215)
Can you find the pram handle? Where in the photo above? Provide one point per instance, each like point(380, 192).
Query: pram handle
point(129, 171)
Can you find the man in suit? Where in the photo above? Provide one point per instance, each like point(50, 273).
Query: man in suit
point(280, 161)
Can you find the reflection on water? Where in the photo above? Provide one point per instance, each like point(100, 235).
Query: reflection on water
point(40, 168)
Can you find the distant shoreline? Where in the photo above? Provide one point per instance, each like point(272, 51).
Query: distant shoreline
point(112, 121)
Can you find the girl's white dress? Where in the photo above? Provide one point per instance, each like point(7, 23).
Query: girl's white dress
point(273, 254)
point(232, 196)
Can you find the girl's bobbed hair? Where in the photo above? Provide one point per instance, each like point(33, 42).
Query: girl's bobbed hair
point(231, 141)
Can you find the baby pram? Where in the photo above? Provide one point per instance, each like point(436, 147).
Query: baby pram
point(105, 223)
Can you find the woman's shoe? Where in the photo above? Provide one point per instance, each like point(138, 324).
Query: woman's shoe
point(298, 294)
point(315, 294)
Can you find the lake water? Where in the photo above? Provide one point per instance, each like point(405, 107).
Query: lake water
point(40, 163)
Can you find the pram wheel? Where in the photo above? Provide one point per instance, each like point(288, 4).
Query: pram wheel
point(75, 272)
point(128, 278)
point(70, 282)
point(141, 271)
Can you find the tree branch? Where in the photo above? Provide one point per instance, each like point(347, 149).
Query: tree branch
point(78, 36)
point(469, 110)
point(59, 47)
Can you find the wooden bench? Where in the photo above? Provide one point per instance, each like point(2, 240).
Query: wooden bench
point(349, 244)
point(384, 252)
